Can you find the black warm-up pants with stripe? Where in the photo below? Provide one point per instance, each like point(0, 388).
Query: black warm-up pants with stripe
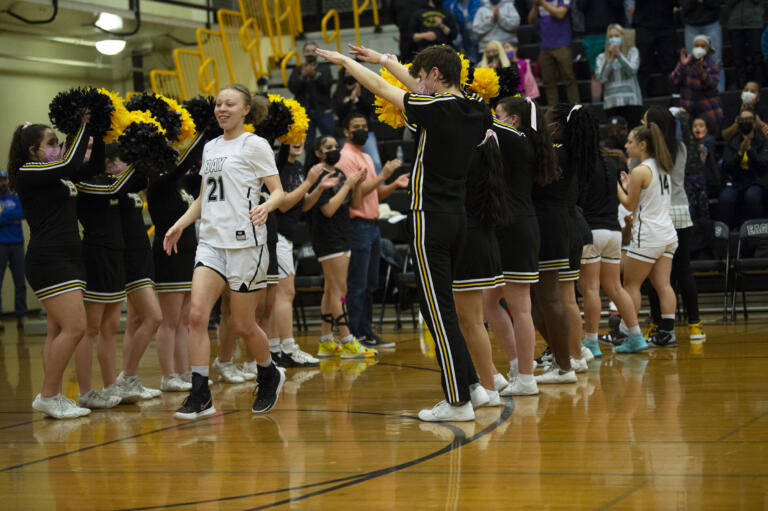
point(435, 241)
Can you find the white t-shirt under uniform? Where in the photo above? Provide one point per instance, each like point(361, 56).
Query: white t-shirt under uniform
point(233, 172)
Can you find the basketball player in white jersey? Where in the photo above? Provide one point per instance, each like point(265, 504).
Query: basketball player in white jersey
point(232, 250)
point(646, 193)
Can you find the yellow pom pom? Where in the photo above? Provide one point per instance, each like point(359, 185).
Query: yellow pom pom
point(388, 113)
point(187, 124)
point(146, 117)
point(486, 83)
point(249, 128)
point(120, 117)
point(298, 131)
point(464, 77)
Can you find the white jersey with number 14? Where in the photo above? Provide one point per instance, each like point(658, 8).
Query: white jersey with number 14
point(233, 172)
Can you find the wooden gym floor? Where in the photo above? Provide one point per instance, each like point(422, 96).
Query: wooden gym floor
point(670, 429)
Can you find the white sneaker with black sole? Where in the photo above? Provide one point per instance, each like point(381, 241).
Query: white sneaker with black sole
point(374, 341)
point(298, 358)
point(59, 407)
point(445, 412)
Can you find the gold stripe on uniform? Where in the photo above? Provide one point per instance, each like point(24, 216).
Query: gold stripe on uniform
point(453, 392)
point(59, 289)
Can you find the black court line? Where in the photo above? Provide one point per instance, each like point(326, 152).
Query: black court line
point(745, 425)
point(21, 424)
point(460, 440)
point(618, 499)
point(96, 446)
point(389, 364)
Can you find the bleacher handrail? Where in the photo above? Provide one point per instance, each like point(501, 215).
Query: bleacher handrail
point(154, 77)
point(177, 61)
point(267, 21)
point(333, 13)
point(284, 63)
point(356, 11)
point(286, 14)
point(251, 45)
point(210, 88)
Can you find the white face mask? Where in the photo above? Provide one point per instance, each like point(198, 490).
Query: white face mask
point(699, 52)
point(748, 97)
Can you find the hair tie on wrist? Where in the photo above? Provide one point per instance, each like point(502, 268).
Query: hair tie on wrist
point(488, 134)
point(384, 58)
point(575, 107)
point(534, 121)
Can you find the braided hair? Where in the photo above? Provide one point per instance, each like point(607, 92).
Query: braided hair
point(581, 137)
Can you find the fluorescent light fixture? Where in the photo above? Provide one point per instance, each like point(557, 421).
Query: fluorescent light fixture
point(109, 21)
point(110, 46)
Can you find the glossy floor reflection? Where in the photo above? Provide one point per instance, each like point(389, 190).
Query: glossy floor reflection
point(679, 428)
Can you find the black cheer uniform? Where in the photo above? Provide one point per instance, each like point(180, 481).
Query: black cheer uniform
point(478, 265)
point(330, 236)
point(551, 202)
point(448, 130)
point(103, 246)
point(167, 200)
point(519, 241)
point(578, 230)
point(54, 261)
point(139, 264)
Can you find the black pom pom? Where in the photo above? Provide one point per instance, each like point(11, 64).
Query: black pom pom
point(201, 109)
point(66, 109)
point(101, 108)
point(470, 75)
point(278, 122)
point(509, 81)
point(144, 147)
point(168, 119)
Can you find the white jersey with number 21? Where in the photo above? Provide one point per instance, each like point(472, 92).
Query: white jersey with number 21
point(233, 172)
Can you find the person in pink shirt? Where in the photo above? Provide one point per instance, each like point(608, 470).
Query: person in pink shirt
point(364, 235)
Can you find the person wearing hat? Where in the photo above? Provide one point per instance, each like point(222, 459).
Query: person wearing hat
point(12, 246)
point(697, 77)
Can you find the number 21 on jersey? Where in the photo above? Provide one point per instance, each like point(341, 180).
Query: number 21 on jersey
point(216, 189)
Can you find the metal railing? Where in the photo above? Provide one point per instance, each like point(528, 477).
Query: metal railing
point(358, 10)
point(333, 13)
point(284, 63)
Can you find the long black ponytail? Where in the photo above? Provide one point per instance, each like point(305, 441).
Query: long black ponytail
point(487, 185)
point(581, 136)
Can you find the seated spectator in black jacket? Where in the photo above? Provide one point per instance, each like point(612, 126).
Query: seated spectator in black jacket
point(750, 100)
point(745, 172)
point(349, 97)
point(432, 26)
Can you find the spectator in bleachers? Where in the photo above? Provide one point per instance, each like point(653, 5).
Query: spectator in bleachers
point(555, 56)
point(401, 11)
point(697, 77)
point(464, 11)
point(617, 69)
point(745, 172)
point(12, 246)
point(528, 86)
point(496, 20)
point(750, 100)
point(432, 25)
point(708, 175)
point(349, 97)
point(655, 40)
point(311, 84)
point(703, 17)
point(745, 29)
point(598, 16)
point(494, 56)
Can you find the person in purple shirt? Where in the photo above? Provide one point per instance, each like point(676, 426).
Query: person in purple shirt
point(556, 57)
point(12, 246)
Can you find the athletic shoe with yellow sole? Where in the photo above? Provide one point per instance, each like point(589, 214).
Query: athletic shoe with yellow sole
point(354, 349)
point(696, 333)
point(653, 329)
point(328, 349)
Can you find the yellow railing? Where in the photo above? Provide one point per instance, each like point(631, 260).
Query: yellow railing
point(252, 46)
point(284, 63)
point(333, 13)
point(284, 18)
point(357, 11)
point(211, 45)
point(209, 86)
point(188, 63)
point(230, 23)
point(259, 10)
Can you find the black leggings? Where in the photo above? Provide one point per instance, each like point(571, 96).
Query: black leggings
point(681, 279)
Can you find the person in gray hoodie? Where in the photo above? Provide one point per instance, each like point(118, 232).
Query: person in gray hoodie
point(497, 20)
point(745, 27)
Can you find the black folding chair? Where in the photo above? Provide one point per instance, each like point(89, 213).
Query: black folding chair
point(751, 231)
point(720, 265)
point(308, 281)
point(397, 278)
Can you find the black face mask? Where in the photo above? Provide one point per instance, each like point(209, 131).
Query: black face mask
point(311, 59)
point(746, 127)
point(359, 137)
point(495, 2)
point(332, 157)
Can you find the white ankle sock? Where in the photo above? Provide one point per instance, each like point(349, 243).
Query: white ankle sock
point(591, 337)
point(526, 378)
point(201, 370)
point(274, 344)
point(513, 367)
point(635, 330)
point(347, 339)
point(326, 337)
point(288, 345)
